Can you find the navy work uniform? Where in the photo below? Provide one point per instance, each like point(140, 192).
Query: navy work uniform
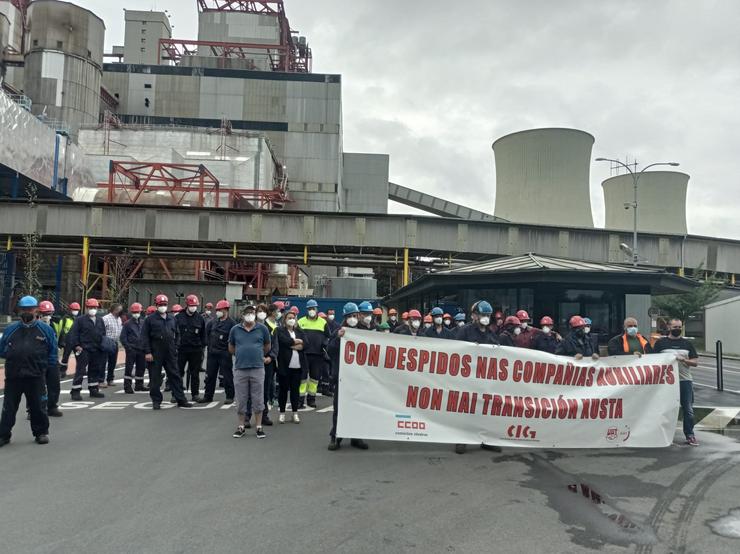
point(159, 338)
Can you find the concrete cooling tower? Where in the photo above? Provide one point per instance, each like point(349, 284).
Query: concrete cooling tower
point(542, 177)
point(661, 202)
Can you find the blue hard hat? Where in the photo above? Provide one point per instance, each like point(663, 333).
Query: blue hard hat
point(312, 304)
point(366, 306)
point(484, 307)
point(460, 317)
point(28, 302)
point(587, 320)
point(437, 311)
point(350, 308)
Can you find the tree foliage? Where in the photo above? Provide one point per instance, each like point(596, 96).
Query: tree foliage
point(682, 306)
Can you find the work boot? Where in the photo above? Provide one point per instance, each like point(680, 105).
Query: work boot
point(203, 400)
point(127, 389)
point(76, 394)
point(42, 439)
point(54, 412)
point(196, 399)
point(95, 393)
point(4, 441)
point(111, 383)
point(328, 393)
point(311, 402)
point(139, 386)
point(358, 443)
point(335, 444)
point(156, 406)
point(229, 401)
point(460, 448)
point(184, 404)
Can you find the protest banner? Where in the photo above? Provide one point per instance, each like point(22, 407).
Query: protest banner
point(396, 387)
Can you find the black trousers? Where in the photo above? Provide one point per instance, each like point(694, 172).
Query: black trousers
point(289, 383)
point(134, 359)
point(111, 361)
point(166, 358)
point(53, 387)
point(34, 390)
point(335, 414)
point(92, 363)
point(219, 361)
point(193, 361)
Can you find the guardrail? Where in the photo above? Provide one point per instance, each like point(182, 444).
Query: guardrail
point(720, 367)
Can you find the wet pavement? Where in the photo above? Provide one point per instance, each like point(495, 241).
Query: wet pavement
point(118, 477)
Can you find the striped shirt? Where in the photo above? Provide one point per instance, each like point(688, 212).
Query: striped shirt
point(113, 326)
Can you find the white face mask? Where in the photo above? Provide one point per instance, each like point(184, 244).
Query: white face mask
point(545, 329)
point(311, 313)
point(162, 309)
point(75, 313)
point(460, 323)
point(438, 321)
point(525, 324)
point(192, 309)
point(352, 321)
point(278, 315)
point(587, 330)
point(427, 325)
point(261, 316)
point(330, 317)
point(46, 318)
point(484, 320)
point(448, 322)
point(517, 331)
point(219, 314)
point(136, 315)
point(208, 312)
point(416, 324)
point(249, 318)
point(367, 320)
point(393, 318)
point(92, 312)
point(290, 322)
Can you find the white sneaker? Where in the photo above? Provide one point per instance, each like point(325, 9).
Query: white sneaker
point(296, 419)
point(281, 418)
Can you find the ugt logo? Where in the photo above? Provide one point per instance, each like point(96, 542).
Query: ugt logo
point(521, 432)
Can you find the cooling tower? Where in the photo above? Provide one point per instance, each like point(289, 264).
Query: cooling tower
point(661, 202)
point(542, 177)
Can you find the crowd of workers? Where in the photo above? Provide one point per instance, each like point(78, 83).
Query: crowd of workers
point(247, 353)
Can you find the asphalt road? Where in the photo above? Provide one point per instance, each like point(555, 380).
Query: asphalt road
point(120, 478)
point(706, 374)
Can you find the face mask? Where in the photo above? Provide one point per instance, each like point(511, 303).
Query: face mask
point(26, 317)
point(393, 318)
point(290, 322)
point(632, 331)
point(448, 322)
point(367, 320)
point(460, 323)
point(517, 331)
point(675, 332)
point(484, 320)
point(219, 315)
point(499, 322)
point(261, 316)
point(352, 321)
point(278, 315)
point(162, 309)
point(545, 329)
point(75, 313)
point(331, 317)
point(416, 324)
point(92, 312)
point(311, 313)
point(249, 318)
point(192, 309)
point(136, 315)
point(525, 324)
point(587, 330)
point(208, 312)
point(46, 319)
point(438, 321)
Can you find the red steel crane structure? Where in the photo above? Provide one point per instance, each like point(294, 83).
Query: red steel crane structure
point(290, 55)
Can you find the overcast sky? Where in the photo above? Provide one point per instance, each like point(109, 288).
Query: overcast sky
point(433, 83)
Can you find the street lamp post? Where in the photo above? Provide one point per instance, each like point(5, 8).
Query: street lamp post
point(635, 179)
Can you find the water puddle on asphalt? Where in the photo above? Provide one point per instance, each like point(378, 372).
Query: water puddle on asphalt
point(727, 526)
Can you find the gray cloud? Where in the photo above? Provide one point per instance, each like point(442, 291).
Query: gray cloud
point(434, 82)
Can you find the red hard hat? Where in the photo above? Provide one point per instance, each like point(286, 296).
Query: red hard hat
point(161, 299)
point(192, 300)
point(176, 309)
point(74, 306)
point(280, 304)
point(547, 320)
point(209, 305)
point(405, 315)
point(512, 320)
point(393, 311)
point(223, 305)
point(498, 315)
point(414, 313)
point(92, 303)
point(577, 321)
point(447, 316)
point(523, 315)
point(150, 310)
point(136, 308)
point(46, 307)
point(427, 319)
point(377, 311)
point(294, 310)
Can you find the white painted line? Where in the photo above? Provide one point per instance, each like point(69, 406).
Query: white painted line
point(715, 387)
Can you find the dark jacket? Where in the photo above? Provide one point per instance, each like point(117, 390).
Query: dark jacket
point(406, 330)
point(192, 331)
point(131, 335)
point(28, 349)
point(217, 334)
point(333, 326)
point(159, 334)
point(285, 352)
point(444, 333)
point(616, 346)
point(472, 333)
point(506, 339)
point(574, 344)
point(87, 333)
point(546, 342)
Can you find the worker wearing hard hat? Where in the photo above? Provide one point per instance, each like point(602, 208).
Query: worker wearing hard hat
point(393, 319)
point(219, 360)
point(577, 344)
point(414, 326)
point(438, 330)
point(317, 337)
point(86, 339)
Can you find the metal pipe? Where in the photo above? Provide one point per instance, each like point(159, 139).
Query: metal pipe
point(720, 366)
point(405, 266)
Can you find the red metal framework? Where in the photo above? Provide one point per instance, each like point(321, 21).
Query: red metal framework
point(176, 49)
point(300, 58)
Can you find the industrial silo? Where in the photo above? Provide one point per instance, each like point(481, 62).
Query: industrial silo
point(661, 202)
point(64, 61)
point(542, 177)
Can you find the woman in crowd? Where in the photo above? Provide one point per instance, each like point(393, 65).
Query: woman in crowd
point(291, 363)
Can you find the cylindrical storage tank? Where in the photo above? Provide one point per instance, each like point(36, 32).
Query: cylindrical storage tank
point(542, 177)
point(661, 202)
point(64, 62)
